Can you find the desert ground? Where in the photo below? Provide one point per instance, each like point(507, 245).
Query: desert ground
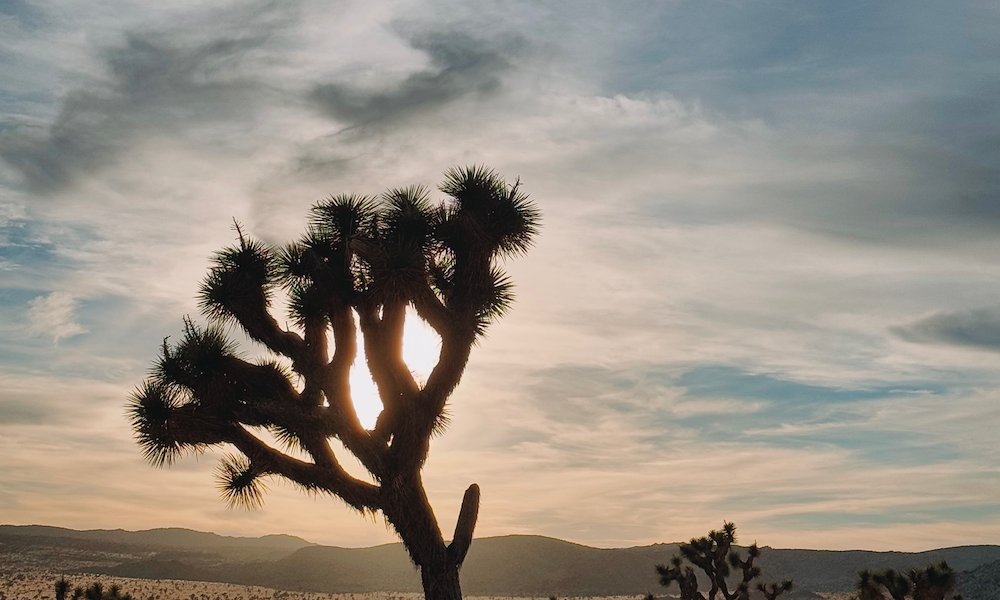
point(38, 585)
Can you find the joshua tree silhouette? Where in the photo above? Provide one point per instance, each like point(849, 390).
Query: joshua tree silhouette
point(933, 582)
point(62, 588)
point(360, 264)
point(714, 556)
point(95, 591)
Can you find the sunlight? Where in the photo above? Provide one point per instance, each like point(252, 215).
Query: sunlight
point(421, 346)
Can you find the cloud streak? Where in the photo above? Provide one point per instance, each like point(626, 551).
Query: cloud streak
point(461, 66)
point(975, 328)
point(152, 81)
point(53, 316)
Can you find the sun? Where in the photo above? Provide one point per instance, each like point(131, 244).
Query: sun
point(421, 346)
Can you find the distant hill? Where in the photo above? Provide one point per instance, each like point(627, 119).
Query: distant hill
point(981, 583)
point(516, 565)
point(523, 565)
point(172, 537)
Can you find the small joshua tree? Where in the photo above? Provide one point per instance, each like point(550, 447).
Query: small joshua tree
point(62, 588)
point(361, 264)
point(933, 582)
point(714, 556)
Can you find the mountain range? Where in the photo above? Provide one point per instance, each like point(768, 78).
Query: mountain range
point(514, 565)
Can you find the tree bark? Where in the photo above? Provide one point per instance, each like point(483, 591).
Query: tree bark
point(441, 582)
point(410, 513)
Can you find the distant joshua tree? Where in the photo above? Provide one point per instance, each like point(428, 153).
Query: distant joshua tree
point(933, 582)
point(361, 263)
point(96, 591)
point(713, 555)
point(62, 588)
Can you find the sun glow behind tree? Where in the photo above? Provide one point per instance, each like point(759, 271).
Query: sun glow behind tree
point(421, 347)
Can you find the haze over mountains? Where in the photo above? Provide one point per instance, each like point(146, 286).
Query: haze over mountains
point(515, 565)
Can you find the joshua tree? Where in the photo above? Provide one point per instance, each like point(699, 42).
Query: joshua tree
point(714, 556)
point(361, 264)
point(772, 590)
point(933, 582)
point(62, 588)
point(96, 591)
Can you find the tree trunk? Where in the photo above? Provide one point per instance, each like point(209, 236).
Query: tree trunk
point(440, 582)
point(407, 509)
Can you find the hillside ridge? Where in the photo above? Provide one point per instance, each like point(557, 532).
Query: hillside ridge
point(510, 565)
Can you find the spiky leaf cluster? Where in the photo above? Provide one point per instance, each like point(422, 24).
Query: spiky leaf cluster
point(240, 282)
point(772, 590)
point(239, 481)
point(199, 356)
point(149, 410)
point(933, 582)
point(488, 215)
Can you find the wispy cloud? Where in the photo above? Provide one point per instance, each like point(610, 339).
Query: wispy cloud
point(461, 65)
point(53, 316)
point(976, 328)
point(148, 83)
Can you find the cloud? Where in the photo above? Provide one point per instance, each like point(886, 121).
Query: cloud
point(461, 65)
point(52, 316)
point(974, 328)
point(27, 15)
point(152, 81)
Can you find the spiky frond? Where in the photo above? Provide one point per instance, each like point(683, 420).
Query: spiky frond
point(239, 481)
point(773, 590)
point(62, 588)
point(344, 217)
point(317, 259)
point(288, 439)
point(306, 302)
point(240, 281)
point(408, 216)
point(149, 408)
point(932, 581)
point(442, 272)
point(896, 584)
point(298, 262)
point(95, 591)
point(496, 301)
point(400, 270)
point(489, 213)
point(729, 531)
point(200, 354)
point(442, 421)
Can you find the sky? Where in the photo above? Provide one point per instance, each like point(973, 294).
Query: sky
point(766, 288)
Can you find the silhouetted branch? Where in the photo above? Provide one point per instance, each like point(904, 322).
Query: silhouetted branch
point(464, 526)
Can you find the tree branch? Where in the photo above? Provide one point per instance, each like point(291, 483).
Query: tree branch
point(455, 352)
point(261, 326)
point(464, 527)
point(330, 478)
point(384, 355)
point(432, 310)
